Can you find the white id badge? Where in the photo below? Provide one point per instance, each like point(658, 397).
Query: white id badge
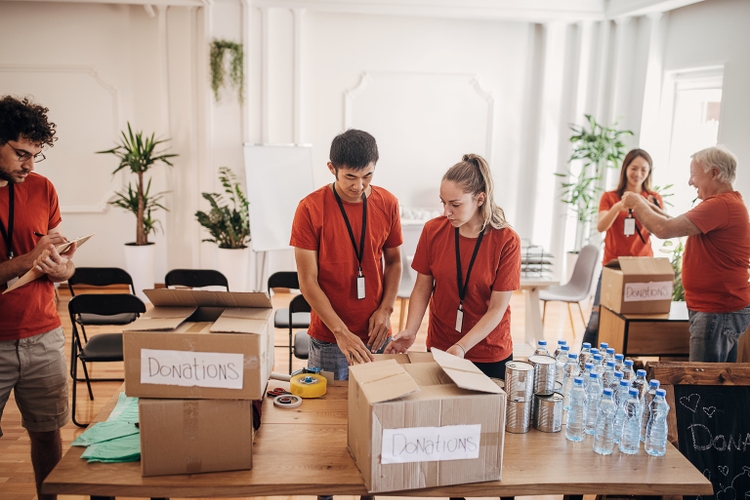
point(629, 226)
point(360, 287)
point(459, 320)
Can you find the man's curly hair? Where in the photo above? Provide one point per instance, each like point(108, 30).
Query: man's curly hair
point(24, 118)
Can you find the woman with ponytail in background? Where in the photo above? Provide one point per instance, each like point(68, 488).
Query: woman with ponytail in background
point(469, 263)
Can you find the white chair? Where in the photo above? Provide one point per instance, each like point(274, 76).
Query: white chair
point(579, 286)
point(405, 287)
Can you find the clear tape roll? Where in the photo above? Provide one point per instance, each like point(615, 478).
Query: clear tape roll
point(287, 401)
point(308, 385)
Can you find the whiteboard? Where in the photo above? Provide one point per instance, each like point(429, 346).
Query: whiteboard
point(278, 177)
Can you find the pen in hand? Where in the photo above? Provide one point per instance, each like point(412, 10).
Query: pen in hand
point(39, 234)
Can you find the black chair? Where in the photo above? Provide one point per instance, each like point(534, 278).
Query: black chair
point(290, 280)
point(195, 278)
point(100, 277)
point(300, 347)
point(102, 347)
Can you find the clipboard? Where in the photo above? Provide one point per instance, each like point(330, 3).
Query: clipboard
point(33, 273)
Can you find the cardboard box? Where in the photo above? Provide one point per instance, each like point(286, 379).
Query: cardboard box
point(423, 424)
point(200, 345)
point(192, 436)
point(640, 285)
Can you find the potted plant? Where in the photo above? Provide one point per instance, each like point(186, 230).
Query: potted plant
point(598, 147)
point(228, 223)
point(138, 153)
point(219, 76)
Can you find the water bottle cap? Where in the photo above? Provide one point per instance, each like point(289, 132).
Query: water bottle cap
point(597, 357)
point(594, 375)
point(633, 391)
point(562, 342)
point(641, 373)
point(619, 374)
point(564, 347)
point(578, 380)
point(628, 362)
point(594, 350)
point(610, 364)
point(542, 342)
point(610, 350)
point(607, 391)
point(661, 392)
point(588, 366)
point(572, 355)
point(603, 345)
point(586, 345)
point(653, 383)
point(619, 356)
point(625, 383)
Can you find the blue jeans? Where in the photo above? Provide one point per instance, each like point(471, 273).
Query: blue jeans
point(591, 335)
point(328, 357)
point(714, 336)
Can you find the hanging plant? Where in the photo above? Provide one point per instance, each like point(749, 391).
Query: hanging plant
point(236, 68)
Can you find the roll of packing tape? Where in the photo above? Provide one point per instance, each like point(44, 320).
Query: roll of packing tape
point(308, 385)
point(287, 401)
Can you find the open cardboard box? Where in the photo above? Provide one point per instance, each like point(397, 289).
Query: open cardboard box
point(638, 285)
point(418, 423)
point(197, 344)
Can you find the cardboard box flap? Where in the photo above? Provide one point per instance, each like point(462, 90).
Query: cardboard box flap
point(160, 318)
point(384, 380)
point(464, 373)
point(644, 265)
point(204, 298)
point(241, 320)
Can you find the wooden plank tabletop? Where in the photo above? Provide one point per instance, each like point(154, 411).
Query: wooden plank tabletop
point(303, 452)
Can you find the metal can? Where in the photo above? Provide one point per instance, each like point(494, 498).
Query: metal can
point(545, 369)
point(518, 415)
point(519, 381)
point(548, 412)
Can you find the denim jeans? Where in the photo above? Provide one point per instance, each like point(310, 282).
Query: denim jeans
point(714, 336)
point(591, 335)
point(328, 357)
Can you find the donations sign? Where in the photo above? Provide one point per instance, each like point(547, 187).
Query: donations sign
point(430, 444)
point(191, 369)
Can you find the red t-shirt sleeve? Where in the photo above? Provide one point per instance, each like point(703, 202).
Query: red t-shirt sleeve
point(508, 276)
point(54, 207)
point(304, 234)
point(421, 261)
point(709, 214)
point(395, 238)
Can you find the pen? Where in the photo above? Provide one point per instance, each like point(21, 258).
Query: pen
point(39, 234)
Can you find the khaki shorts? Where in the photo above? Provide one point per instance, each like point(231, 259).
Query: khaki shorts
point(35, 369)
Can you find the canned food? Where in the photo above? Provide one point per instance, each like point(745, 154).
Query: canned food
point(545, 369)
point(518, 416)
point(519, 381)
point(548, 412)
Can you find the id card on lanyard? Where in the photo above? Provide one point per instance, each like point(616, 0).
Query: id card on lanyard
point(358, 252)
point(463, 285)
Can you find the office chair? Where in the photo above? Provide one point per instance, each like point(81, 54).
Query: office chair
point(100, 277)
point(579, 286)
point(102, 347)
point(300, 347)
point(195, 278)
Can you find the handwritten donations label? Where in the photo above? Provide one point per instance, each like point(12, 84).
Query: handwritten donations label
point(190, 369)
point(654, 290)
point(430, 444)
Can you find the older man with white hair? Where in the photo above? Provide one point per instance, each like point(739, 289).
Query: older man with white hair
point(717, 254)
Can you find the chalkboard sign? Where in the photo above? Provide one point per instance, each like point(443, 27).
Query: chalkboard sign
point(710, 421)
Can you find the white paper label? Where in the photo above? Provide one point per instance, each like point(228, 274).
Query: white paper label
point(360, 287)
point(654, 290)
point(192, 369)
point(629, 226)
point(430, 444)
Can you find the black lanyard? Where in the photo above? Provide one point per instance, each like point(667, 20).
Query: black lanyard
point(359, 253)
point(459, 275)
point(8, 236)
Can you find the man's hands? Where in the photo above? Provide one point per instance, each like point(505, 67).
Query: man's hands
point(378, 328)
point(401, 342)
point(47, 259)
point(355, 351)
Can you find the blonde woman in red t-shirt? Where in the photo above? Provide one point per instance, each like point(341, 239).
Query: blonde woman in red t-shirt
point(468, 291)
point(619, 240)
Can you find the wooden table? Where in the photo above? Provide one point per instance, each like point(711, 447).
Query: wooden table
point(647, 334)
point(303, 452)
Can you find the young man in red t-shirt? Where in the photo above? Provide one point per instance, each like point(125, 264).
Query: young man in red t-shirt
point(346, 238)
point(32, 357)
point(716, 258)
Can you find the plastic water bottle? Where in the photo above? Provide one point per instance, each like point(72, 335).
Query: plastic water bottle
point(593, 395)
point(608, 377)
point(560, 360)
point(609, 355)
point(603, 346)
point(627, 370)
point(541, 348)
point(583, 358)
point(621, 397)
point(656, 437)
point(630, 440)
point(560, 343)
point(598, 364)
point(570, 371)
point(587, 369)
point(575, 423)
point(619, 359)
point(616, 378)
point(594, 350)
point(640, 383)
point(646, 408)
point(604, 429)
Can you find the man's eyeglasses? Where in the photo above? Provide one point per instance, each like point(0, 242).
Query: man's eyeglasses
point(25, 155)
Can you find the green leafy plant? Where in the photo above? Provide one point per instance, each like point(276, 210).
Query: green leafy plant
point(675, 258)
point(236, 67)
point(598, 147)
point(229, 226)
point(138, 154)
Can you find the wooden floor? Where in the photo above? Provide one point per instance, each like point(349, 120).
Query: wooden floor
point(16, 476)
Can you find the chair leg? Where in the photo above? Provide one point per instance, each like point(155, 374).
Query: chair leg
point(544, 311)
point(88, 381)
point(402, 313)
point(580, 310)
point(290, 347)
point(74, 370)
point(570, 316)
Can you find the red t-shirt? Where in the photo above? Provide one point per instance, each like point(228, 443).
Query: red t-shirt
point(29, 310)
point(715, 263)
point(616, 244)
point(319, 225)
point(497, 268)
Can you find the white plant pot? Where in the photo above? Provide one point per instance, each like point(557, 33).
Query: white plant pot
point(234, 263)
point(139, 262)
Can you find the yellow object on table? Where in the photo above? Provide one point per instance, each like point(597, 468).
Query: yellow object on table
point(308, 385)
